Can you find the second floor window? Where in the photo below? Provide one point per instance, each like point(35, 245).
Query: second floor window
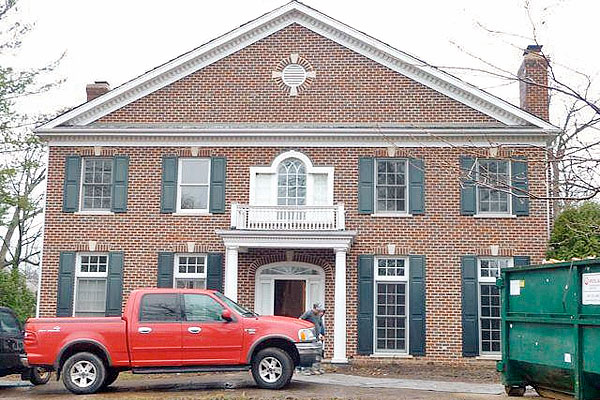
point(96, 185)
point(494, 185)
point(390, 186)
point(291, 183)
point(194, 182)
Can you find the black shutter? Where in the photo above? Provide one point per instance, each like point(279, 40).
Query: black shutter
point(521, 261)
point(165, 270)
point(520, 184)
point(218, 175)
point(366, 177)
point(114, 290)
point(214, 271)
point(416, 308)
point(365, 303)
point(468, 196)
point(168, 199)
point(416, 176)
point(66, 284)
point(71, 185)
point(470, 312)
point(119, 184)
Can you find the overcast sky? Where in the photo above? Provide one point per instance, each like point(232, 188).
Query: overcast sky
point(116, 40)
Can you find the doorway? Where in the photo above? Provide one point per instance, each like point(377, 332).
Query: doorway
point(290, 297)
point(288, 288)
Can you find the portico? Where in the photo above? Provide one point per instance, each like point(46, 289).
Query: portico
point(338, 241)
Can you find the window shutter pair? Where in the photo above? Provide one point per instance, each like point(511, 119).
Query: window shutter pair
point(468, 190)
point(416, 306)
point(470, 302)
point(66, 284)
point(168, 200)
point(214, 270)
point(366, 186)
point(72, 184)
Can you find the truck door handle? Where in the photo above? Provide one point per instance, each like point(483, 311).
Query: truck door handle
point(144, 329)
point(194, 329)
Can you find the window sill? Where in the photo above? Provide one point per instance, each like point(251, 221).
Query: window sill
point(483, 216)
point(192, 214)
point(392, 215)
point(90, 212)
point(391, 355)
point(489, 357)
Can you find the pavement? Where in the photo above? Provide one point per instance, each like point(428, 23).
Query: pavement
point(241, 386)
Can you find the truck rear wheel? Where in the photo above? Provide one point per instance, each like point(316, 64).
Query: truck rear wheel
point(39, 376)
point(272, 368)
point(83, 373)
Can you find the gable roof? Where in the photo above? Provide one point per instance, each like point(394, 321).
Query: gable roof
point(267, 24)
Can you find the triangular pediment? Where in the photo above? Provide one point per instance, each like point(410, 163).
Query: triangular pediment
point(295, 15)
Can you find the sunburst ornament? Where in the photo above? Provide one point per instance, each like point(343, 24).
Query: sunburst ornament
point(294, 74)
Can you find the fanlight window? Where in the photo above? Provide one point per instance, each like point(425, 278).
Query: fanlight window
point(291, 183)
point(289, 270)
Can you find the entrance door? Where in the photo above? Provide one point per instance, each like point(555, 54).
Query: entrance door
point(290, 297)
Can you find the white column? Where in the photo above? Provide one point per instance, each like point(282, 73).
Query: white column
point(339, 321)
point(231, 272)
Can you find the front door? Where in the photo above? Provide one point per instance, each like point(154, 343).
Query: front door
point(155, 338)
point(206, 337)
point(290, 297)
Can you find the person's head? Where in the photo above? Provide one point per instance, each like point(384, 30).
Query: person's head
point(318, 308)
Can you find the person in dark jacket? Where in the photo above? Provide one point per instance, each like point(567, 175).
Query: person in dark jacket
point(315, 315)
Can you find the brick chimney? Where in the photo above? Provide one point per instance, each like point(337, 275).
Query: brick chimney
point(96, 89)
point(533, 82)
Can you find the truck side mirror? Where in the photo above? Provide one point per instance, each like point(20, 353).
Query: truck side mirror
point(226, 315)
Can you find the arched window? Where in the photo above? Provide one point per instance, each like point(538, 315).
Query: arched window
point(291, 183)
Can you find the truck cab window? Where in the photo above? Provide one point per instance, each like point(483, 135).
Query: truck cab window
point(202, 308)
point(160, 307)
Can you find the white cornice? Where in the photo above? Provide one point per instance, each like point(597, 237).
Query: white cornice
point(287, 137)
point(260, 28)
point(288, 239)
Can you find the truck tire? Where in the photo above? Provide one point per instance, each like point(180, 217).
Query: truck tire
point(83, 373)
point(515, 391)
point(39, 376)
point(272, 368)
point(111, 376)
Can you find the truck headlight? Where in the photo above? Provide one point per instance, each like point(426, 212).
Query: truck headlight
point(306, 335)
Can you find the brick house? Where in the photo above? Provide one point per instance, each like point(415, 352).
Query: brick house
point(296, 160)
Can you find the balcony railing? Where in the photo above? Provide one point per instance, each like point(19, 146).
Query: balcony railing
point(288, 218)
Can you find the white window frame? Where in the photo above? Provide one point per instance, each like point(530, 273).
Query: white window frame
point(487, 280)
point(180, 210)
point(80, 274)
point(406, 212)
point(82, 209)
point(187, 275)
point(311, 171)
point(391, 279)
point(508, 191)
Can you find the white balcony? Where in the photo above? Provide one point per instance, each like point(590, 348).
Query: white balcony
point(288, 218)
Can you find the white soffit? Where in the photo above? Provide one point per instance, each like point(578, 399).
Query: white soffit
point(295, 12)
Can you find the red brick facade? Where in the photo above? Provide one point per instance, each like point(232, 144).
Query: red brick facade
point(348, 88)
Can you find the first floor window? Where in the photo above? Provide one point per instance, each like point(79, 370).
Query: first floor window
point(390, 186)
point(391, 295)
point(494, 179)
point(194, 182)
point(96, 184)
point(489, 303)
point(190, 271)
point(90, 286)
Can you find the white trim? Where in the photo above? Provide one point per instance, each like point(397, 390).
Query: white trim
point(490, 357)
point(94, 212)
point(42, 241)
point(391, 215)
point(287, 239)
point(92, 275)
point(186, 275)
point(391, 355)
point(494, 214)
point(319, 23)
point(81, 183)
point(192, 211)
point(406, 185)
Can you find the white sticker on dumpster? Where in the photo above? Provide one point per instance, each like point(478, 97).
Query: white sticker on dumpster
point(590, 288)
point(515, 287)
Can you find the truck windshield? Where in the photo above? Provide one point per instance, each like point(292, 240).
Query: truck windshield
point(8, 323)
point(236, 307)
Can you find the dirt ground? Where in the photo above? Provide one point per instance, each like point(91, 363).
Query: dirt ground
point(484, 373)
point(226, 386)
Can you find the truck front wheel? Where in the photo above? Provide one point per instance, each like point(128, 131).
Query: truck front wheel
point(83, 373)
point(272, 368)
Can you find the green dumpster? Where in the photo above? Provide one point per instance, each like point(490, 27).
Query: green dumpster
point(551, 329)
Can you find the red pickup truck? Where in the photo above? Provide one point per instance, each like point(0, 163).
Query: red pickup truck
point(171, 330)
